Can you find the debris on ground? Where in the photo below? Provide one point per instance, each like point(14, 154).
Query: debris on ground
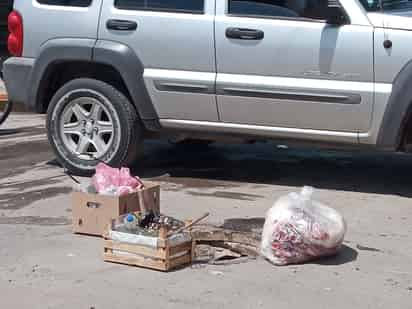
point(216, 273)
point(162, 243)
point(112, 192)
point(364, 248)
point(110, 181)
point(229, 243)
point(114, 181)
point(298, 229)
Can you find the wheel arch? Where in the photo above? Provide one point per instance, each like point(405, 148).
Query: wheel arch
point(397, 119)
point(62, 60)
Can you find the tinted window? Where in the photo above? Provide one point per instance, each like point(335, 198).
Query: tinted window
point(388, 5)
point(314, 9)
point(189, 6)
point(81, 3)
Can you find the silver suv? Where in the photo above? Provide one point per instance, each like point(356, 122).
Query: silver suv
point(111, 72)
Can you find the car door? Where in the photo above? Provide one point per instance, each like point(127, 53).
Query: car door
point(174, 40)
point(280, 64)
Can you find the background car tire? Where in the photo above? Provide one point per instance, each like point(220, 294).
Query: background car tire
point(5, 110)
point(124, 143)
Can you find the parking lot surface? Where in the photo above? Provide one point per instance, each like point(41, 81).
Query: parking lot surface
point(43, 265)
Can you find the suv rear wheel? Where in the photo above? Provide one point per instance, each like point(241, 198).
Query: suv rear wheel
point(90, 121)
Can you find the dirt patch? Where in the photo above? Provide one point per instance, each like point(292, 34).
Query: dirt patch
point(183, 183)
point(244, 224)
point(13, 201)
point(34, 220)
point(21, 132)
point(18, 158)
point(228, 195)
point(20, 186)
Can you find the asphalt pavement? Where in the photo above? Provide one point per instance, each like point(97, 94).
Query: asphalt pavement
point(43, 265)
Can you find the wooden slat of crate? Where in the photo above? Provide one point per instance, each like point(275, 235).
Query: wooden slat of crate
point(180, 261)
point(136, 249)
point(187, 246)
point(137, 255)
point(135, 261)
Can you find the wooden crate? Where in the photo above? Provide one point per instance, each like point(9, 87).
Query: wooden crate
point(166, 257)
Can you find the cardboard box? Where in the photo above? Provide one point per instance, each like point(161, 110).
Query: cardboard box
point(93, 212)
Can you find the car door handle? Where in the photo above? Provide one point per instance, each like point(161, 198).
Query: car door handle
point(244, 34)
point(121, 25)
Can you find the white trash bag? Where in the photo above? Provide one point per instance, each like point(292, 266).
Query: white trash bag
point(298, 228)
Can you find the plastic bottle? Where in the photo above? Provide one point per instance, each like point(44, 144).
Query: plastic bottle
point(130, 222)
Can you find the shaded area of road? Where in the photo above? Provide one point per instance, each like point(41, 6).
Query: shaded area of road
point(263, 163)
point(260, 163)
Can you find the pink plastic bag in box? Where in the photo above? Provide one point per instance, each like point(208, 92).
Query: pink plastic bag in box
point(114, 181)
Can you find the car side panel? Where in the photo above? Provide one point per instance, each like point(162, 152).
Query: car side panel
point(300, 67)
point(392, 67)
point(178, 57)
point(45, 22)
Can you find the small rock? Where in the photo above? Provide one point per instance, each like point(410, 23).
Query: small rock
point(198, 265)
point(364, 248)
point(216, 273)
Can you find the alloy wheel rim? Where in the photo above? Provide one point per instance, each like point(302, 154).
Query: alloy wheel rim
point(87, 128)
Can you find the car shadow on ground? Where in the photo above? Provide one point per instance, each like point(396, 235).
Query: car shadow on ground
point(264, 163)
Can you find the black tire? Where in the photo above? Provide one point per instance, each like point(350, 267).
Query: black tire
point(5, 111)
point(127, 129)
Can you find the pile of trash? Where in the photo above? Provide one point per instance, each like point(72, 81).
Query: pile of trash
point(146, 224)
point(298, 229)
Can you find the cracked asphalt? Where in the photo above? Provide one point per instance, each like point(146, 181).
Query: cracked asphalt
point(43, 265)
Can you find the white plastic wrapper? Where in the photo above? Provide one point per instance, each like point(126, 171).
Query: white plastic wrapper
point(298, 229)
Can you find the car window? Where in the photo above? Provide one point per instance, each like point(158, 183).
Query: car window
point(313, 9)
point(387, 5)
point(184, 6)
point(80, 3)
